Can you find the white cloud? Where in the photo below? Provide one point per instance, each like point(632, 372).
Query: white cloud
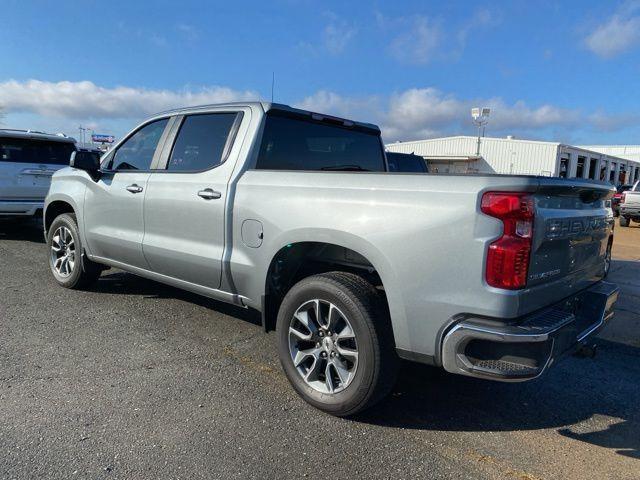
point(618, 33)
point(411, 114)
point(86, 100)
point(419, 39)
point(337, 34)
point(419, 43)
point(189, 31)
point(323, 101)
point(607, 122)
point(482, 18)
point(420, 113)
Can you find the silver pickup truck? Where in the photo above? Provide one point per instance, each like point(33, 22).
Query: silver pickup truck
point(630, 205)
point(295, 214)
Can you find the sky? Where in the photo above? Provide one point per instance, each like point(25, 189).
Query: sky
point(566, 71)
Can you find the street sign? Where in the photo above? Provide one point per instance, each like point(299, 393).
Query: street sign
point(102, 138)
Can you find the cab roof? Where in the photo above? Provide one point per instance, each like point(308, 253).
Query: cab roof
point(279, 108)
point(35, 135)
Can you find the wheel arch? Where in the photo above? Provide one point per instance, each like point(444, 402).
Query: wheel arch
point(297, 258)
point(54, 208)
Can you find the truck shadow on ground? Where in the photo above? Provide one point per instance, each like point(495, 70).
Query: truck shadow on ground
point(565, 398)
point(29, 230)
point(123, 283)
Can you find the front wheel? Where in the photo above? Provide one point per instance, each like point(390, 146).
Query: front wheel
point(624, 221)
point(68, 266)
point(336, 344)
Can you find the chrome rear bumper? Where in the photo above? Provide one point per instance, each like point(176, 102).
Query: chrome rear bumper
point(523, 349)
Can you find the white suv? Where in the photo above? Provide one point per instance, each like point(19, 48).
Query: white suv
point(27, 161)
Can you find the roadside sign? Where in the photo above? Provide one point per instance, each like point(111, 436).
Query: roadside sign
point(102, 138)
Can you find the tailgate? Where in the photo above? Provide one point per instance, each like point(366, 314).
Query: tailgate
point(571, 232)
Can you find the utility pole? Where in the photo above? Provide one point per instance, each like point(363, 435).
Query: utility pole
point(273, 82)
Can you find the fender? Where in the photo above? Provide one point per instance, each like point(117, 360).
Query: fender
point(359, 245)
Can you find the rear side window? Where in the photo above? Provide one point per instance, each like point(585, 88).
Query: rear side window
point(405, 162)
point(202, 142)
point(301, 144)
point(35, 151)
point(136, 153)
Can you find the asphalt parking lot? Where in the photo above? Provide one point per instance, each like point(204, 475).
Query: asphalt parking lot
point(138, 380)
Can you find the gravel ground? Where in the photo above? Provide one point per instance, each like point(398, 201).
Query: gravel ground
point(138, 380)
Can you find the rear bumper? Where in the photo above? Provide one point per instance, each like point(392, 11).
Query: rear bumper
point(14, 208)
point(523, 349)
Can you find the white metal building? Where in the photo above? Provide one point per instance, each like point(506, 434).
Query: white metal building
point(628, 152)
point(520, 157)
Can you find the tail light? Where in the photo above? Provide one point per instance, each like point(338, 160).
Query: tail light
point(623, 196)
point(508, 257)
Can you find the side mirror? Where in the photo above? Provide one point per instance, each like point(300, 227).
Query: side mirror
point(85, 160)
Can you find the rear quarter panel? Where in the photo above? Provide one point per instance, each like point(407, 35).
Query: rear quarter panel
point(424, 235)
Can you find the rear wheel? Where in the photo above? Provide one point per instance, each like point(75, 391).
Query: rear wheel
point(624, 221)
point(335, 343)
point(69, 266)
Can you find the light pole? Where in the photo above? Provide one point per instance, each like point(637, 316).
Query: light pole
point(480, 118)
point(82, 134)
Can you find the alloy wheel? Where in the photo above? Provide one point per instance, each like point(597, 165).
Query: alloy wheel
point(323, 346)
point(63, 252)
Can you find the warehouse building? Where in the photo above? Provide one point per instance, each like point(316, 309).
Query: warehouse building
point(628, 152)
point(464, 154)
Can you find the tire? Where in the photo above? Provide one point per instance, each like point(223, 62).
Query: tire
point(63, 239)
point(624, 221)
point(355, 304)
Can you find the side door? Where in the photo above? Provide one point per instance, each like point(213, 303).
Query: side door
point(26, 166)
point(185, 204)
point(113, 206)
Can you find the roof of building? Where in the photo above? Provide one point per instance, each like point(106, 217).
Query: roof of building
point(633, 157)
point(517, 140)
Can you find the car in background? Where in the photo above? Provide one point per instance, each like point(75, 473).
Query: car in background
point(616, 199)
point(28, 159)
point(630, 205)
point(406, 162)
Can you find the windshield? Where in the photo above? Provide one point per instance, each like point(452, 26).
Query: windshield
point(293, 143)
point(35, 151)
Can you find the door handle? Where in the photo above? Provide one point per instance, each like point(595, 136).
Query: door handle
point(209, 194)
point(134, 188)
